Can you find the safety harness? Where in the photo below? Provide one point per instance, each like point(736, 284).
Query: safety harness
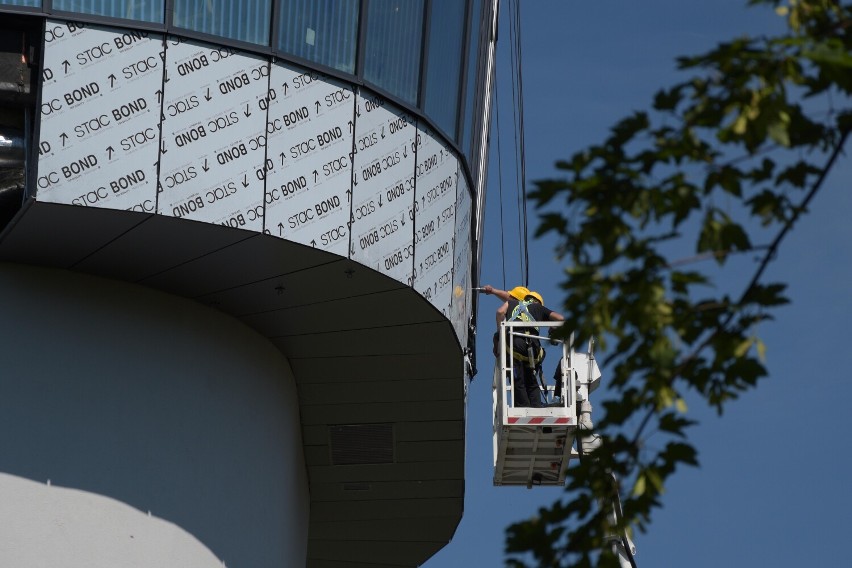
point(533, 359)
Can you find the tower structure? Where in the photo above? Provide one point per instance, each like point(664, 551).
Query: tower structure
point(238, 242)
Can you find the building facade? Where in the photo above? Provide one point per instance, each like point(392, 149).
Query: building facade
point(237, 246)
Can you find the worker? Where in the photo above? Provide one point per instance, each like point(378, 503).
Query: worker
point(524, 305)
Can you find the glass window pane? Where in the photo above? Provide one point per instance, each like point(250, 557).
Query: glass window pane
point(471, 121)
point(446, 36)
point(392, 48)
point(33, 3)
point(141, 10)
point(323, 31)
point(244, 20)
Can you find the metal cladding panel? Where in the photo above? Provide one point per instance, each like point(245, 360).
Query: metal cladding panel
point(100, 117)
point(462, 302)
point(214, 125)
point(309, 143)
point(186, 129)
point(434, 204)
point(383, 192)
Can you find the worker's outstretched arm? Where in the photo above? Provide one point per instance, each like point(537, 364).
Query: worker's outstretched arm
point(492, 291)
point(556, 316)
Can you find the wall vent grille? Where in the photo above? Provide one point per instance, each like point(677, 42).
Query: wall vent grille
point(361, 444)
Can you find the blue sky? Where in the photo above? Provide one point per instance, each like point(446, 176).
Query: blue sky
point(770, 489)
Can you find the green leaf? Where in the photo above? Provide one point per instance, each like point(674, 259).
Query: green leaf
point(639, 486)
point(779, 132)
point(761, 350)
point(743, 347)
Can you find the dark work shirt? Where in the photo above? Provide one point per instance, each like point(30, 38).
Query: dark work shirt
point(538, 313)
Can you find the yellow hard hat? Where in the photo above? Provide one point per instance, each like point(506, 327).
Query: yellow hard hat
point(537, 296)
point(519, 293)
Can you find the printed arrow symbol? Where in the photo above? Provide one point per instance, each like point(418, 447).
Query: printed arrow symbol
point(205, 167)
point(112, 79)
point(245, 181)
point(348, 195)
point(207, 96)
point(383, 132)
point(316, 175)
point(351, 126)
point(64, 137)
point(159, 95)
point(318, 106)
point(403, 218)
point(405, 152)
point(163, 148)
point(66, 65)
point(110, 151)
point(247, 112)
point(284, 85)
point(282, 158)
point(313, 243)
point(280, 229)
point(380, 200)
point(351, 250)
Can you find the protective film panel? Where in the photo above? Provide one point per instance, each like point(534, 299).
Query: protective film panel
point(434, 203)
point(383, 188)
point(309, 137)
point(100, 115)
point(462, 301)
point(213, 149)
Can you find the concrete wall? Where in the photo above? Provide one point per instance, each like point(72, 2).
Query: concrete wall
point(141, 429)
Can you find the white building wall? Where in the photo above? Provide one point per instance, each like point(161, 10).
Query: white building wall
point(142, 429)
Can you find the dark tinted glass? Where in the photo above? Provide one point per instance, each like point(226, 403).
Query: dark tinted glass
point(393, 44)
point(323, 31)
point(141, 10)
point(243, 20)
point(33, 3)
point(470, 120)
point(446, 38)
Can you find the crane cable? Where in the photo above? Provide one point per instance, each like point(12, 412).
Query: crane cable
point(516, 77)
point(520, 145)
point(500, 180)
point(523, 151)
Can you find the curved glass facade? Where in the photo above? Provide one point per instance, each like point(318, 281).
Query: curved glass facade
point(321, 31)
point(394, 37)
point(469, 122)
point(444, 63)
point(242, 20)
point(424, 54)
point(140, 10)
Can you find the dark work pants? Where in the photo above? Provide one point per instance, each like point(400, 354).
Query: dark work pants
point(527, 393)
